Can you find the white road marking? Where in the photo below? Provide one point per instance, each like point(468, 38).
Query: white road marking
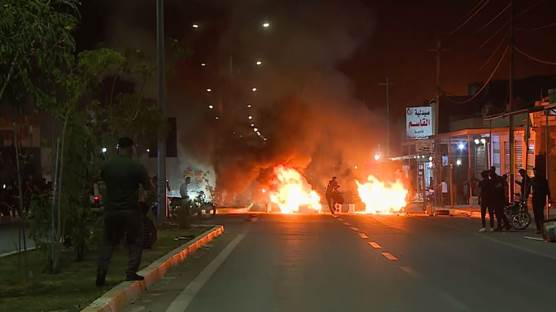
point(520, 248)
point(389, 256)
point(375, 245)
point(363, 235)
point(187, 295)
point(534, 238)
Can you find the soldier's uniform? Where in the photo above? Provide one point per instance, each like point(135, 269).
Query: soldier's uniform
point(122, 215)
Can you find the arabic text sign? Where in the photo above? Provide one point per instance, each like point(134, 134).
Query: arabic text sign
point(418, 122)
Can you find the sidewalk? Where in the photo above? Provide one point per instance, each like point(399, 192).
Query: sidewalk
point(473, 211)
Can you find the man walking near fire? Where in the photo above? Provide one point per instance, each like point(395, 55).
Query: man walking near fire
point(331, 190)
point(122, 216)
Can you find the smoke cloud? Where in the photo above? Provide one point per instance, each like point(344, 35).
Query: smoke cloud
point(304, 105)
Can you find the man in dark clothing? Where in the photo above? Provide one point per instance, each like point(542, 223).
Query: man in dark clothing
point(485, 194)
point(524, 184)
point(541, 190)
point(331, 190)
point(122, 216)
point(498, 199)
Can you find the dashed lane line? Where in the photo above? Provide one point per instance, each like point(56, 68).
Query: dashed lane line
point(389, 256)
point(363, 235)
point(375, 245)
point(355, 229)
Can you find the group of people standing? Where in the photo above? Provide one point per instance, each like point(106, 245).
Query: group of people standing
point(493, 197)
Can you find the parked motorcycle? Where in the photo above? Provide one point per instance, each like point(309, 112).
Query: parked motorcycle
point(518, 215)
point(201, 206)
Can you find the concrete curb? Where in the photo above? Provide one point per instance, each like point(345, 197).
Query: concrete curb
point(118, 297)
point(467, 213)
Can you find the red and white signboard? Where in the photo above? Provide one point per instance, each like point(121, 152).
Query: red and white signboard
point(418, 122)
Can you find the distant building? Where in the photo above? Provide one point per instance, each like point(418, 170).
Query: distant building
point(469, 142)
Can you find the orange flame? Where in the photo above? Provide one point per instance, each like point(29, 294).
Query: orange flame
point(293, 192)
point(381, 198)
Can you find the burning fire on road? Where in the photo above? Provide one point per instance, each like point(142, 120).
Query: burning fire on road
point(291, 192)
point(380, 197)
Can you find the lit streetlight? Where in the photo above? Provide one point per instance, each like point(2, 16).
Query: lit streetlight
point(250, 117)
point(256, 129)
point(195, 25)
point(203, 64)
point(266, 24)
point(211, 107)
point(254, 89)
point(104, 150)
point(259, 63)
point(209, 90)
point(378, 156)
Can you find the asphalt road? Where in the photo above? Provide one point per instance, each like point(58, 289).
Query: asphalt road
point(9, 237)
point(359, 263)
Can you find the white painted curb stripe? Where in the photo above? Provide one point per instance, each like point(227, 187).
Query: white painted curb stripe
point(185, 298)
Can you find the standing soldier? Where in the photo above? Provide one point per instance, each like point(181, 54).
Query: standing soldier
point(122, 216)
point(541, 190)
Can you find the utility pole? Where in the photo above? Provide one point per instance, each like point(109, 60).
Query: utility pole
point(435, 111)
point(511, 137)
point(387, 85)
point(161, 81)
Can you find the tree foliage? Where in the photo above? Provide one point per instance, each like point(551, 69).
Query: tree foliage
point(37, 44)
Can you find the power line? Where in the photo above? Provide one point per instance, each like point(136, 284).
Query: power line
point(498, 47)
point(533, 58)
point(485, 84)
point(495, 17)
point(530, 8)
point(474, 12)
point(536, 28)
point(494, 35)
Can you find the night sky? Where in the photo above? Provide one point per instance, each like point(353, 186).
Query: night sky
point(403, 31)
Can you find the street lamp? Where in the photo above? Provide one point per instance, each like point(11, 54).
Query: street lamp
point(458, 162)
point(266, 24)
point(254, 89)
point(259, 63)
point(195, 25)
point(209, 90)
point(461, 146)
point(104, 150)
point(211, 107)
point(203, 64)
point(378, 156)
point(250, 117)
